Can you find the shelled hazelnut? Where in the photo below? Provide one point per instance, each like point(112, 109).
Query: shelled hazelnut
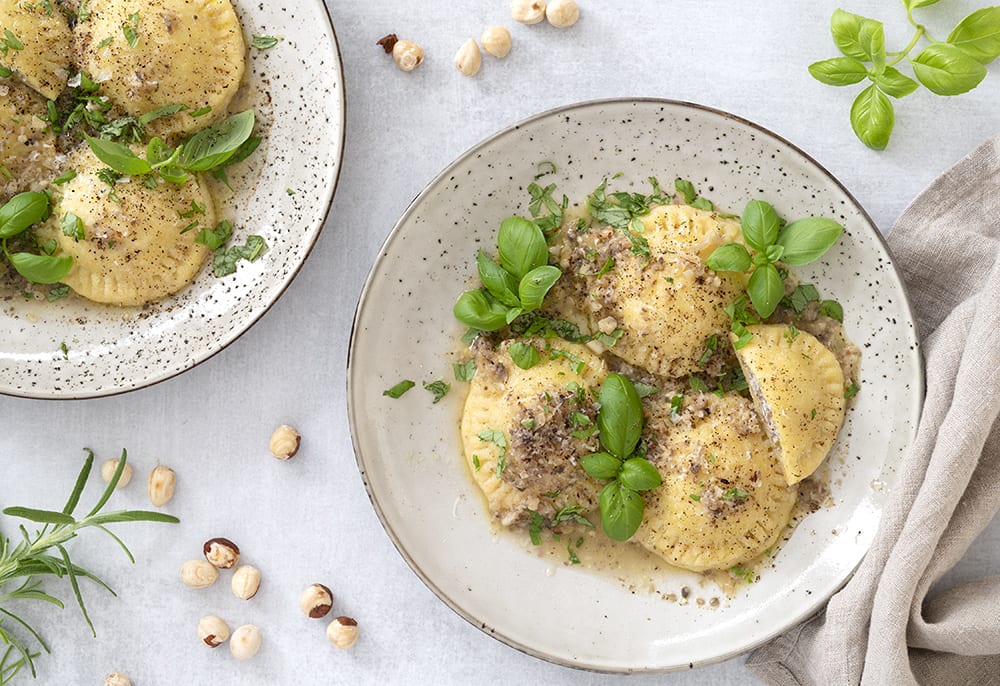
point(468, 59)
point(562, 13)
point(407, 55)
point(108, 469)
point(212, 631)
point(316, 601)
point(221, 552)
point(496, 41)
point(527, 11)
point(162, 482)
point(342, 632)
point(117, 679)
point(285, 440)
point(245, 642)
point(245, 582)
point(198, 574)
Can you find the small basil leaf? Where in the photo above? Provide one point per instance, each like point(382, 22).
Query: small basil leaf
point(211, 147)
point(847, 29)
point(806, 240)
point(480, 311)
point(620, 416)
point(765, 289)
point(41, 268)
point(760, 225)
point(601, 465)
point(639, 474)
point(522, 246)
point(513, 314)
point(978, 35)
point(914, 4)
point(838, 71)
point(498, 281)
point(895, 83)
point(872, 118)
point(730, 257)
point(947, 70)
point(686, 188)
point(160, 112)
point(21, 211)
point(536, 284)
point(118, 157)
point(872, 40)
point(832, 309)
point(525, 355)
point(774, 252)
point(621, 511)
point(703, 204)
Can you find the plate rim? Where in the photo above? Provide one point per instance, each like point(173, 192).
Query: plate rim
point(809, 610)
point(196, 360)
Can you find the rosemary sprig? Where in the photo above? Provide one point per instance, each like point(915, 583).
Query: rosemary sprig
point(44, 553)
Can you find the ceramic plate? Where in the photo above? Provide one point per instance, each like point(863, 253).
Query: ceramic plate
point(409, 451)
point(297, 89)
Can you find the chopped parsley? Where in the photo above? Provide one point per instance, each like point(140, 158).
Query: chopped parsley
point(438, 389)
point(399, 389)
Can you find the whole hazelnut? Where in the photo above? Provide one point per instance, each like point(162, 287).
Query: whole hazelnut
point(246, 582)
point(212, 631)
point(316, 601)
point(562, 13)
point(108, 471)
point(117, 679)
point(496, 41)
point(162, 482)
point(245, 642)
point(221, 552)
point(407, 55)
point(198, 574)
point(468, 59)
point(342, 632)
point(285, 440)
point(527, 11)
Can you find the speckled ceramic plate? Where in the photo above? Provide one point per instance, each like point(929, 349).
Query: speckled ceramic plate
point(284, 193)
point(409, 451)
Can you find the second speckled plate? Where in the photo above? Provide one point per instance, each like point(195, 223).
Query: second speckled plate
point(409, 451)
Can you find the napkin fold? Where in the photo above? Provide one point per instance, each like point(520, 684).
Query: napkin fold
point(887, 625)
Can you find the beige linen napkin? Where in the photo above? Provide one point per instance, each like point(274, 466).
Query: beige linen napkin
point(882, 627)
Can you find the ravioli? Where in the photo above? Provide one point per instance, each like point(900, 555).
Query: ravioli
point(135, 249)
point(185, 52)
point(724, 499)
point(40, 55)
point(27, 147)
point(517, 428)
point(798, 388)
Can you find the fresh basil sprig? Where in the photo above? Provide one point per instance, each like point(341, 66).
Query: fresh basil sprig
point(800, 242)
point(18, 215)
point(950, 67)
point(517, 285)
point(619, 420)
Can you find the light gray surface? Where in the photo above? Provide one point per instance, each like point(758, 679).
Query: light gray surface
point(309, 519)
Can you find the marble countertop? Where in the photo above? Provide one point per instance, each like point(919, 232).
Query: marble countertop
point(309, 520)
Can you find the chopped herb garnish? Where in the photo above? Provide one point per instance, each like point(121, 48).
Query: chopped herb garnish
point(644, 389)
point(65, 177)
point(545, 167)
point(535, 527)
point(677, 403)
point(399, 389)
point(57, 292)
point(697, 385)
point(735, 494)
point(743, 336)
point(686, 189)
point(609, 340)
point(695, 497)
point(496, 437)
point(106, 42)
point(832, 309)
point(470, 335)
point(464, 371)
point(812, 414)
point(475, 462)
point(65, 350)
point(571, 513)
point(525, 355)
point(711, 345)
point(852, 390)
point(578, 362)
point(196, 208)
point(438, 389)
point(800, 297)
point(573, 557)
point(130, 30)
point(743, 573)
point(200, 112)
point(791, 333)
point(289, 191)
point(265, 42)
point(72, 226)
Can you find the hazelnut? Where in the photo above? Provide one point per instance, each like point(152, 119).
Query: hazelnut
point(496, 41)
point(246, 582)
point(316, 601)
point(408, 56)
point(117, 679)
point(285, 440)
point(212, 631)
point(162, 482)
point(245, 642)
point(342, 632)
point(468, 59)
point(198, 574)
point(562, 13)
point(527, 11)
point(221, 552)
point(108, 472)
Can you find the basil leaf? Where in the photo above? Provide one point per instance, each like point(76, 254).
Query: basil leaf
point(522, 246)
point(513, 314)
point(399, 389)
point(730, 257)
point(643, 390)
point(760, 225)
point(525, 355)
point(72, 226)
point(914, 4)
point(686, 188)
point(947, 70)
point(895, 83)
point(536, 284)
point(838, 71)
point(21, 211)
point(480, 311)
point(498, 281)
point(639, 474)
point(853, 34)
point(872, 118)
point(806, 240)
point(978, 35)
point(264, 42)
point(601, 465)
point(464, 371)
point(210, 147)
point(160, 112)
point(620, 416)
point(774, 253)
point(765, 289)
point(118, 157)
point(41, 268)
point(832, 309)
point(438, 389)
point(703, 204)
point(621, 511)
point(871, 37)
